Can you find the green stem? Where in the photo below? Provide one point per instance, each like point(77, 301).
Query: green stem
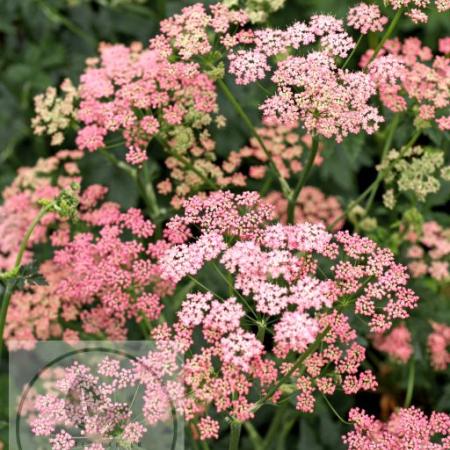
point(130, 171)
point(231, 291)
point(310, 350)
point(267, 184)
point(149, 192)
point(333, 409)
point(56, 17)
point(193, 440)
point(410, 385)
point(254, 436)
point(302, 181)
point(287, 427)
point(10, 275)
point(350, 207)
point(235, 435)
point(179, 296)
point(23, 245)
point(386, 148)
point(186, 163)
point(353, 52)
point(388, 34)
point(139, 10)
point(145, 327)
point(412, 141)
point(274, 426)
point(144, 183)
point(9, 289)
point(373, 193)
point(261, 330)
point(198, 283)
point(246, 119)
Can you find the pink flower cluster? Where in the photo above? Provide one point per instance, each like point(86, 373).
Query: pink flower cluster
point(444, 45)
point(358, 266)
point(252, 64)
point(438, 343)
point(112, 278)
point(285, 146)
point(311, 89)
point(86, 408)
point(429, 253)
point(100, 276)
point(397, 343)
point(139, 93)
point(406, 428)
point(312, 206)
point(220, 213)
point(408, 71)
point(416, 9)
point(274, 277)
point(365, 18)
point(188, 33)
point(45, 180)
point(328, 101)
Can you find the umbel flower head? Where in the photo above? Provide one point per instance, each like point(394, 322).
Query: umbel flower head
point(286, 147)
point(103, 270)
point(408, 72)
point(406, 428)
point(416, 10)
point(365, 18)
point(416, 170)
point(428, 251)
point(397, 343)
point(293, 281)
point(310, 86)
point(125, 80)
point(312, 206)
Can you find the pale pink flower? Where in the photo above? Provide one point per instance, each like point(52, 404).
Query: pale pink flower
point(365, 18)
point(209, 428)
point(397, 343)
point(438, 342)
point(91, 138)
point(312, 206)
point(406, 72)
point(406, 428)
point(239, 348)
point(444, 45)
point(248, 66)
point(430, 252)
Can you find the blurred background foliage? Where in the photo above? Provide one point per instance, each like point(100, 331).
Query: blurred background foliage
point(44, 41)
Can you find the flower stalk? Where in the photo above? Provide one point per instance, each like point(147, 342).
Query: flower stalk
point(387, 34)
point(410, 385)
point(235, 435)
point(350, 56)
point(302, 358)
point(302, 181)
point(236, 105)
